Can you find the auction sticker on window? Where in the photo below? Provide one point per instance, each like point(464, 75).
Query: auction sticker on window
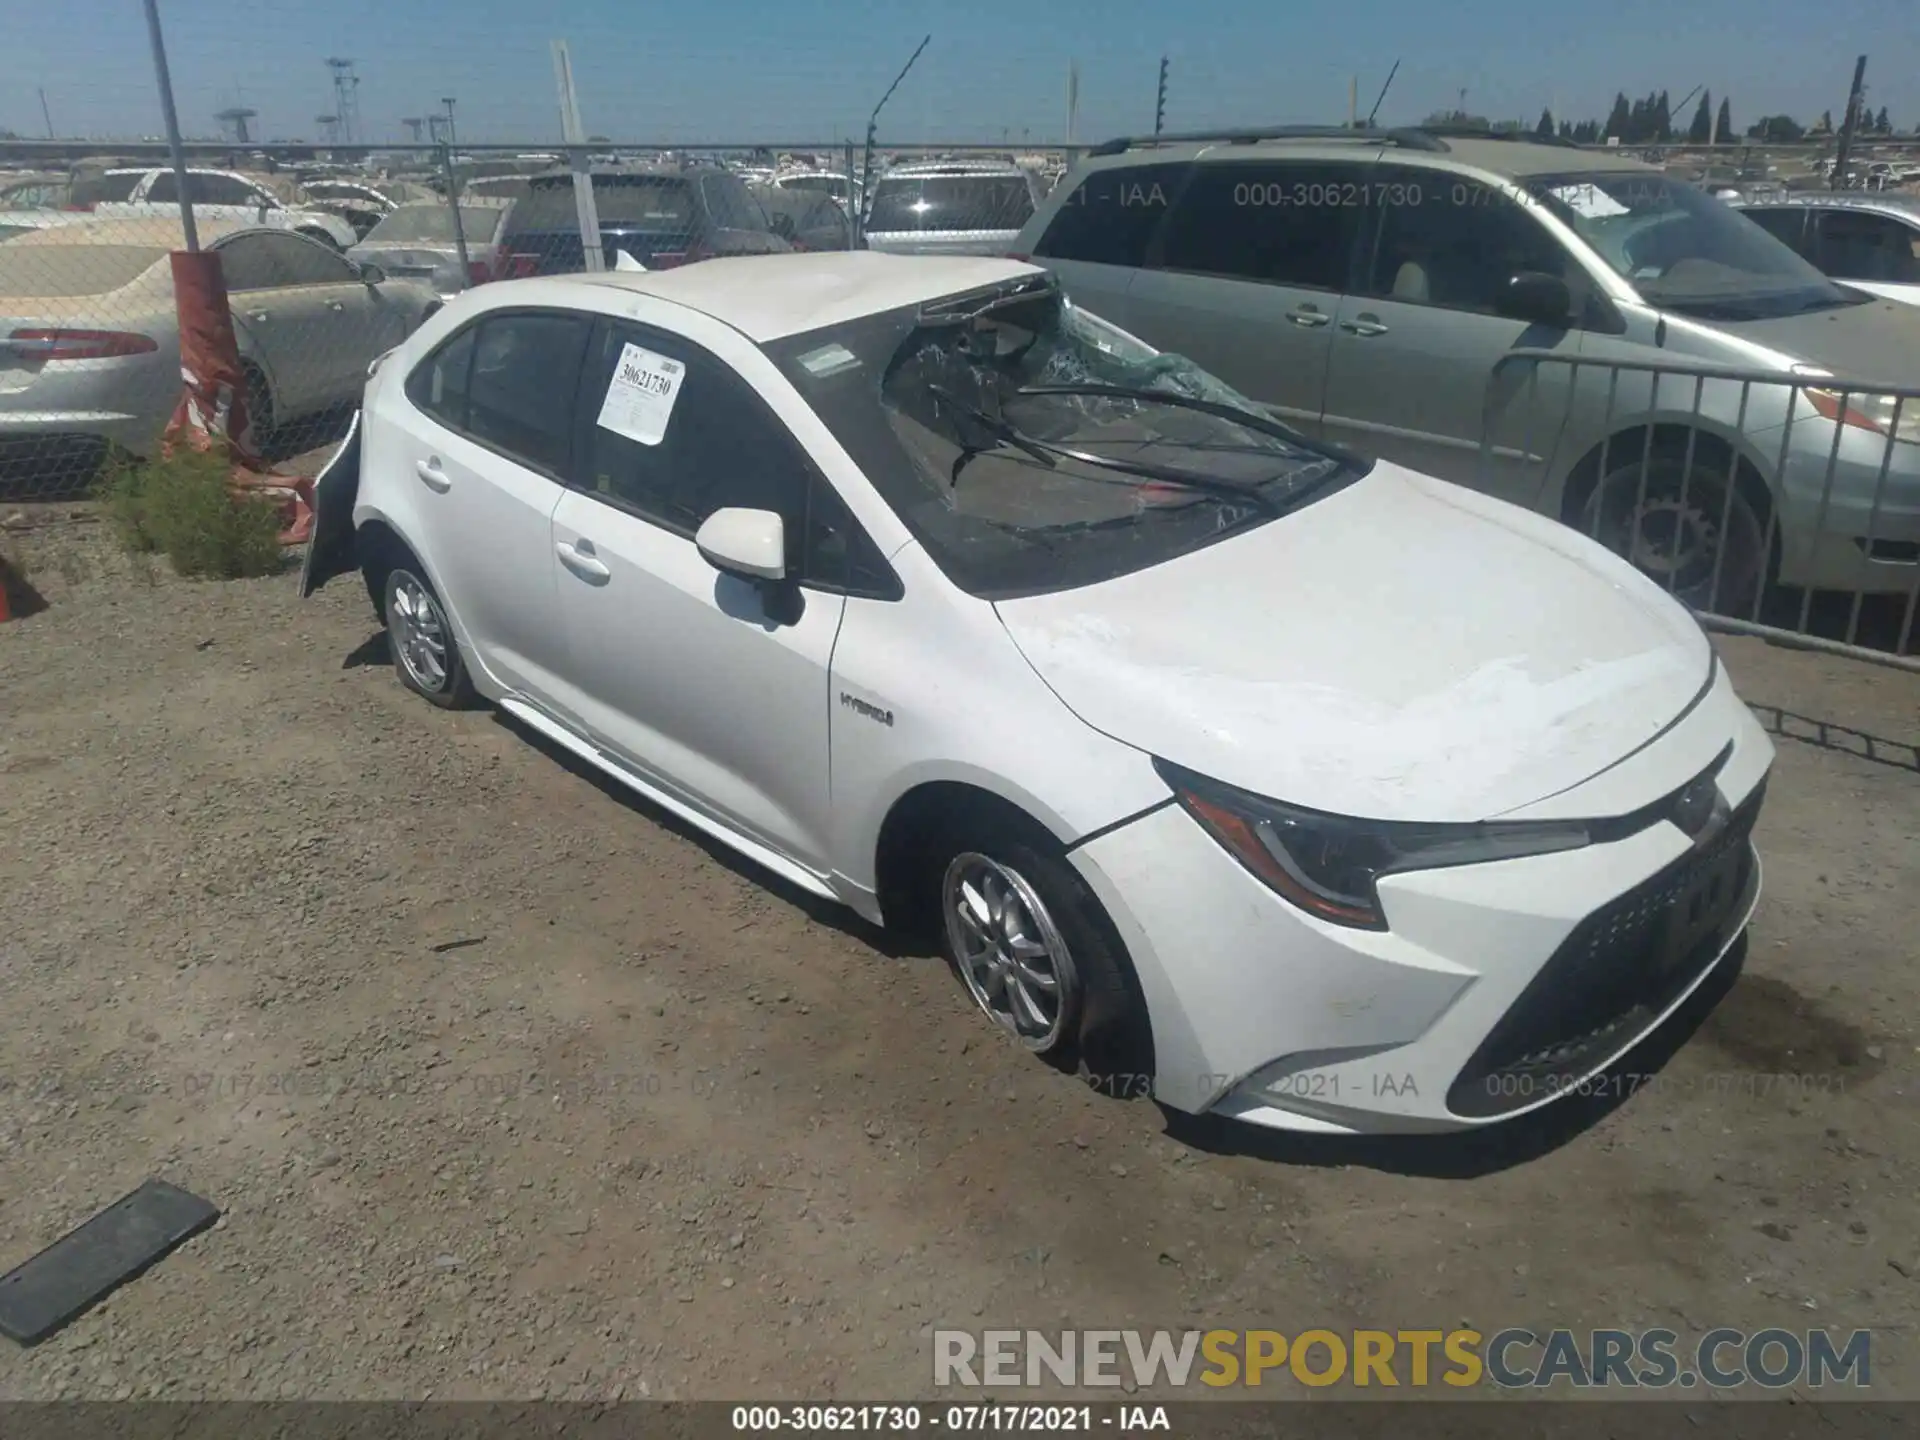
point(640, 397)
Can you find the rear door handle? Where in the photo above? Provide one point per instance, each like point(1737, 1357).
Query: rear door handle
point(336, 306)
point(1364, 325)
point(581, 563)
point(1309, 317)
point(258, 315)
point(436, 478)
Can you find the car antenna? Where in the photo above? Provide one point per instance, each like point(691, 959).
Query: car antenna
point(1382, 95)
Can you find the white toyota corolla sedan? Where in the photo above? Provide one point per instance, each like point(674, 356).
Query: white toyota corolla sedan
point(1231, 768)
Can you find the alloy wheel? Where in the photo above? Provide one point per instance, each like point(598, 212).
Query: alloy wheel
point(419, 632)
point(1009, 950)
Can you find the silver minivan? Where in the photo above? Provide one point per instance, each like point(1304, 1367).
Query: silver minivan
point(1369, 287)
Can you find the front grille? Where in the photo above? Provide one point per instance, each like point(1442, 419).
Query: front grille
point(1608, 980)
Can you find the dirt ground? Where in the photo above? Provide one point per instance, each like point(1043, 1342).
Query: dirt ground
point(510, 1086)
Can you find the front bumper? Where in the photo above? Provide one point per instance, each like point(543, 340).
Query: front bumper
point(1497, 988)
point(1833, 500)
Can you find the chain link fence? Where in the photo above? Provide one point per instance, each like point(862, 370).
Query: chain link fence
point(328, 262)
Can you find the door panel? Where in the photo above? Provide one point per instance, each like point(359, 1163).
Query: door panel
point(1247, 280)
point(1414, 346)
point(678, 670)
point(1101, 235)
point(700, 680)
point(487, 430)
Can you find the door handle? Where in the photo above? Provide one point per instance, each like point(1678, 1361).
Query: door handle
point(430, 471)
point(1308, 317)
point(336, 306)
point(581, 563)
point(258, 315)
point(1364, 325)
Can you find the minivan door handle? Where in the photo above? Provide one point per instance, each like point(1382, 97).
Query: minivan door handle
point(1309, 317)
point(436, 479)
point(1364, 324)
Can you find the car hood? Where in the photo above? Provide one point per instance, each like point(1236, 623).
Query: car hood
point(1402, 649)
point(1878, 340)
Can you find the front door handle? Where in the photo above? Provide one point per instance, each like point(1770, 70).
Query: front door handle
point(430, 471)
point(1364, 325)
point(581, 562)
point(1310, 317)
point(258, 315)
point(336, 307)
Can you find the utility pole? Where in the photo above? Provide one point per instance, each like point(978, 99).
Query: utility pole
point(46, 114)
point(1852, 121)
point(1160, 104)
point(447, 100)
point(172, 120)
point(873, 120)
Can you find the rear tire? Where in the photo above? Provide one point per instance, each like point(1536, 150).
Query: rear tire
point(426, 656)
point(259, 402)
point(1039, 955)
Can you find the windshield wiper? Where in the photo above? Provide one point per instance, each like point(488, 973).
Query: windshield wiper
point(994, 425)
point(1262, 423)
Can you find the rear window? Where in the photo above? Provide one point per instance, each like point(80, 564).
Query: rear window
point(950, 202)
point(832, 185)
point(48, 271)
point(433, 224)
point(1111, 216)
point(730, 204)
point(659, 202)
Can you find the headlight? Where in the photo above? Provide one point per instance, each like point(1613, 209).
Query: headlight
point(1329, 865)
point(1874, 413)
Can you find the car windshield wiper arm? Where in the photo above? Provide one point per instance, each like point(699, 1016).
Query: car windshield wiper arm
point(1262, 423)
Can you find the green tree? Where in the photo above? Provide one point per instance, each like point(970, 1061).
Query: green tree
point(1726, 130)
point(1883, 122)
point(1546, 126)
point(1620, 119)
point(1777, 129)
point(1700, 130)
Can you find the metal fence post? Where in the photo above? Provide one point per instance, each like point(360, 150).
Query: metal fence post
point(172, 121)
point(453, 206)
point(592, 249)
point(856, 201)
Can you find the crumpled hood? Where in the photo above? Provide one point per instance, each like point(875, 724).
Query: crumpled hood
point(1403, 649)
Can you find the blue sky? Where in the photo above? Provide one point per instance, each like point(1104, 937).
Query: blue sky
point(726, 70)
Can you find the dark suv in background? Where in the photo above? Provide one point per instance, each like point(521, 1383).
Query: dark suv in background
point(661, 217)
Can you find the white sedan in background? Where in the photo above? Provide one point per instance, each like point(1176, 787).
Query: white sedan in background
point(1239, 771)
point(90, 341)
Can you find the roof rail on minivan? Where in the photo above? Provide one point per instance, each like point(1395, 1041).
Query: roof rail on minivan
point(1482, 132)
point(1419, 139)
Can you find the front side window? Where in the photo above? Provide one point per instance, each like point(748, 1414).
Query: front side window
point(303, 262)
point(1455, 243)
point(1858, 245)
point(1111, 216)
point(1278, 223)
point(509, 382)
point(247, 263)
point(1030, 447)
point(1786, 223)
point(1684, 250)
point(950, 202)
point(714, 445)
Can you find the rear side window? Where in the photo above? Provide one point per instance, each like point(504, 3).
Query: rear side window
point(730, 205)
point(1856, 245)
point(950, 202)
point(1111, 216)
point(509, 382)
point(107, 189)
point(1284, 224)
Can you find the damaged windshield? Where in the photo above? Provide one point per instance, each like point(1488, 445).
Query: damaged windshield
point(1032, 447)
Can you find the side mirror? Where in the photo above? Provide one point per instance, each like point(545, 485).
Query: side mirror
point(372, 275)
point(1538, 298)
point(749, 544)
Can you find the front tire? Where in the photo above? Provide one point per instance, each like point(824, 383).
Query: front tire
point(1686, 533)
point(426, 656)
point(1040, 957)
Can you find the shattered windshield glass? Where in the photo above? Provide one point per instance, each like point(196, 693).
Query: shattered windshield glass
point(1032, 447)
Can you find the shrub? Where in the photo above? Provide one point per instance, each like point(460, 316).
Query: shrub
point(184, 507)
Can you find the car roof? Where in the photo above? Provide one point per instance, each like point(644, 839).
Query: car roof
point(1516, 158)
point(1885, 201)
point(160, 230)
point(768, 297)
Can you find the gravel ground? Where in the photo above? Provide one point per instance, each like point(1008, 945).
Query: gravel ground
point(510, 1086)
